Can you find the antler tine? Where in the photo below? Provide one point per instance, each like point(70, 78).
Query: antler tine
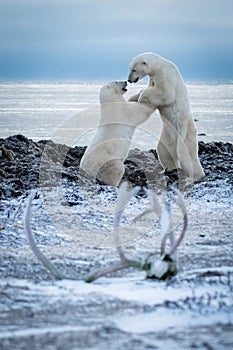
point(123, 198)
point(119, 266)
point(181, 204)
point(155, 207)
point(117, 237)
point(163, 243)
point(166, 226)
point(32, 242)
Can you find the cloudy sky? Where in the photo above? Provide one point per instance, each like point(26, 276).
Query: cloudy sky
point(96, 39)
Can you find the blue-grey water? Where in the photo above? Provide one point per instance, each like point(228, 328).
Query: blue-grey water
point(68, 112)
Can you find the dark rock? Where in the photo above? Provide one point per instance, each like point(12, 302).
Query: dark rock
point(46, 163)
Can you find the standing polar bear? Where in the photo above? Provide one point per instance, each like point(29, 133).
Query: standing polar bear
point(104, 157)
point(177, 147)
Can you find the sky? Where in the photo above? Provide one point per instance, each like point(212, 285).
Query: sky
point(97, 39)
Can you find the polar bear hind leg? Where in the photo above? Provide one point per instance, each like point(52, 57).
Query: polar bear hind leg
point(166, 150)
point(197, 170)
point(187, 154)
point(111, 172)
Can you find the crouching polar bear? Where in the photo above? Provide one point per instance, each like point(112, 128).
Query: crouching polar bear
point(178, 146)
point(104, 157)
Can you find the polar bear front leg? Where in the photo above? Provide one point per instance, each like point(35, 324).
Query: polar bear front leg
point(135, 98)
point(157, 96)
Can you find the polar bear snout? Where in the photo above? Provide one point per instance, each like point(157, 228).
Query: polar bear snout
point(133, 81)
point(133, 77)
point(122, 85)
point(124, 88)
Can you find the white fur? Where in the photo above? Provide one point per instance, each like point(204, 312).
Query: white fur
point(178, 146)
point(104, 157)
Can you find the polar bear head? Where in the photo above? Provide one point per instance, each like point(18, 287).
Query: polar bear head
point(142, 65)
point(113, 92)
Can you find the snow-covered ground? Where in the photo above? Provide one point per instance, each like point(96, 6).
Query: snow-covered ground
point(124, 310)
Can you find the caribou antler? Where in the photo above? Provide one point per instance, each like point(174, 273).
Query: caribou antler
point(161, 268)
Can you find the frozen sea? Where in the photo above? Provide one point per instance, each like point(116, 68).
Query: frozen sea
point(68, 112)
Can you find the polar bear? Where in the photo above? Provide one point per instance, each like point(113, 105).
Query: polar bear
point(166, 91)
point(104, 157)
